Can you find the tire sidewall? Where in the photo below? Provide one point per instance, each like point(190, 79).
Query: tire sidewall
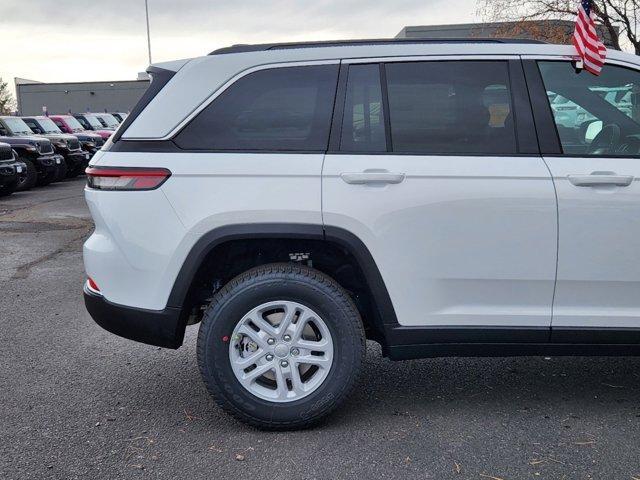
point(224, 315)
point(31, 176)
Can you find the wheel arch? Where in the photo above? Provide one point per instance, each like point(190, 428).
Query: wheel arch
point(375, 306)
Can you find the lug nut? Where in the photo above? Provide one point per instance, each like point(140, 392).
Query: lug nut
point(295, 352)
point(284, 363)
point(269, 357)
point(271, 341)
point(287, 338)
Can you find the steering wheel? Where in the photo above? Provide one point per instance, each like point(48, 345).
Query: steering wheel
point(605, 141)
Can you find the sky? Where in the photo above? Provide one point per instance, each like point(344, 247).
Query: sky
point(82, 40)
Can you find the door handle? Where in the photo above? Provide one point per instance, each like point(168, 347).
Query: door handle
point(601, 178)
point(372, 176)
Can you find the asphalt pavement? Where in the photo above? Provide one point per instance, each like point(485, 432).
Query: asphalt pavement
point(77, 402)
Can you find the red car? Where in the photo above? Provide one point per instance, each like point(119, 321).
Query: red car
point(71, 124)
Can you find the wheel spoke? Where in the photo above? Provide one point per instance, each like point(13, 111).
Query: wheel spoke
point(263, 325)
point(253, 335)
point(290, 312)
point(320, 361)
point(296, 381)
point(281, 383)
point(321, 345)
point(244, 362)
point(249, 377)
point(297, 329)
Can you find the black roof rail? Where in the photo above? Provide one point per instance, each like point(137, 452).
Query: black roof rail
point(241, 48)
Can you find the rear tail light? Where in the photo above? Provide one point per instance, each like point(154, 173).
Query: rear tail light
point(126, 178)
point(92, 286)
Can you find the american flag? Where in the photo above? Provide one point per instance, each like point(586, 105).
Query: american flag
point(585, 39)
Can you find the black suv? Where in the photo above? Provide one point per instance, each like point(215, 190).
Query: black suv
point(89, 141)
point(37, 153)
point(66, 145)
point(12, 172)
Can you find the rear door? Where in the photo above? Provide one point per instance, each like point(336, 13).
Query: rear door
point(436, 170)
point(593, 151)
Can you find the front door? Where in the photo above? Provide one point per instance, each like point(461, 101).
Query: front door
point(437, 172)
point(597, 178)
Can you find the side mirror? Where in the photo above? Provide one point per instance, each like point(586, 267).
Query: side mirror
point(37, 130)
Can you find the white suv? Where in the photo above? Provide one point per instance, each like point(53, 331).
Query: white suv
point(297, 199)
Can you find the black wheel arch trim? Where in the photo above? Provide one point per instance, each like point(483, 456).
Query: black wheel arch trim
point(385, 313)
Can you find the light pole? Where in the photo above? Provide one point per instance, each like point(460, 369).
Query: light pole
point(146, 8)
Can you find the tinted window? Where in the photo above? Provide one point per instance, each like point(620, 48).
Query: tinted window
point(275, 109)
point(594, 115)
point(363, 122)
point(451, 107)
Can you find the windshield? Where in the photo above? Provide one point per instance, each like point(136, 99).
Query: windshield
point(94, 122)
point(17, 126)
point(48, 126)
point(109, 120)
point(73, 124)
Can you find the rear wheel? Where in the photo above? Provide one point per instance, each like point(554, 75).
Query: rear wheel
point(47, 177)
point(62, 171)
point(281, 346)
point(6, 190)
point(29, 180)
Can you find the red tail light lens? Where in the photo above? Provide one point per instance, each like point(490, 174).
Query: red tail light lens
point(126, 178)
point(92, 285)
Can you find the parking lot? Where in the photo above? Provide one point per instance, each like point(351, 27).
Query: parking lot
point(78, 402)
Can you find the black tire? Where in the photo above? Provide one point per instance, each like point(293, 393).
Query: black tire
point(47, 178)
point(61, 171)
point(291, 282)
point(31, 178)
point(74, 172)
point(6, 190)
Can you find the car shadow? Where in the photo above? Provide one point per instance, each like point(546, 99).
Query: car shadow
point(419, 390)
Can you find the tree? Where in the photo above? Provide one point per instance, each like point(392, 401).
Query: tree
point(7, 103)
point(618, 18)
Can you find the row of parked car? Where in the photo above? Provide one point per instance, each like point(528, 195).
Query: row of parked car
point(39, 150)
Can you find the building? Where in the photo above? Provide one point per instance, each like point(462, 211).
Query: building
point(553, 31)
point(33, 97)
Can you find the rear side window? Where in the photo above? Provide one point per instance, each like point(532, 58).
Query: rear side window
point(363, 127)
point(451, 107)
point(270, 110)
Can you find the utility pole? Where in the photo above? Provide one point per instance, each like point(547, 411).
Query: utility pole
point(146, 8)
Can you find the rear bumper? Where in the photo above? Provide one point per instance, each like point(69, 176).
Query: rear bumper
point(161, 328)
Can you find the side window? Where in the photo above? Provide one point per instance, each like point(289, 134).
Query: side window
point(594, 115)
point(32, 125)
point(274, 110)
point(363, 127)
point(84, 123)
point(449, 107)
